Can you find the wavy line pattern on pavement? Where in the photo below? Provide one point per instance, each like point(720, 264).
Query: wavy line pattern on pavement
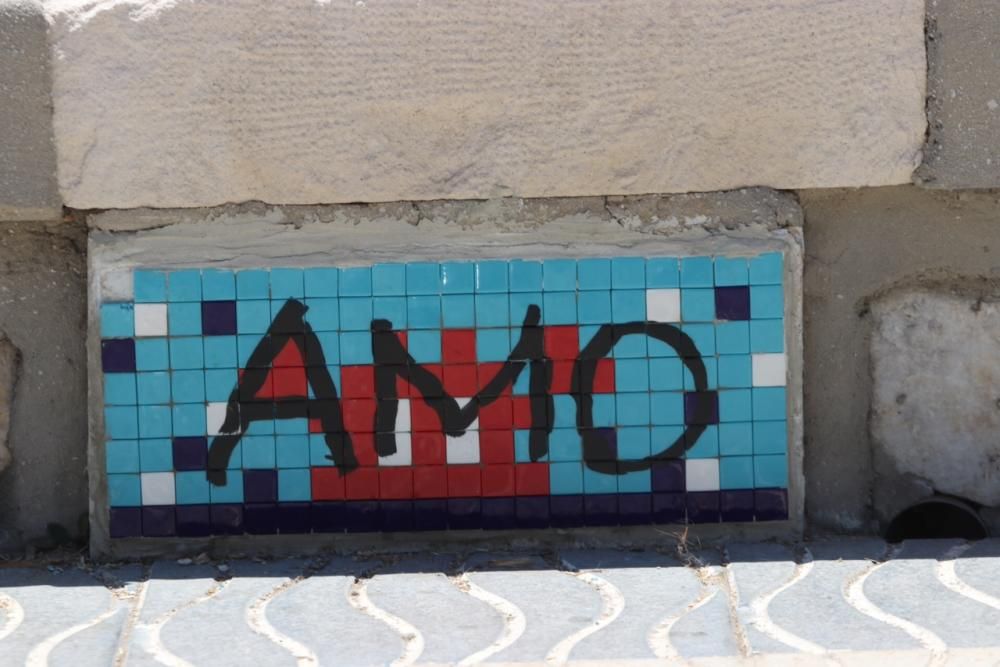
point(14, 614)
point(413, 641)
point(514, 621)
point(612, 605)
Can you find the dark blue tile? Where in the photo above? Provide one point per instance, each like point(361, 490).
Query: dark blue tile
point(226, 519)
point(218, 318)
point(737, 505)
point(260, 486)
point(430, 514)
point(732, 303)
point(397, 515)
point(126, 522)
point(328, 517)
point(464, 513)
point(600, 510)
point(294, 518)
point(260, 518)
point(158, 522)
point(118, 355)
point(532, 511)
point(190, 453)
point(702, 506)
point(635, 509)
point(701, 408)
point(193, 521)
point(669, 508)
point(566, 511)
point(771, 504)
point(668, 475)
point(498, 513)
point(362, 516)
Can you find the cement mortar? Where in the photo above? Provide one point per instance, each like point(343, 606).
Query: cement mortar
point(43, 314)
point(861, 244)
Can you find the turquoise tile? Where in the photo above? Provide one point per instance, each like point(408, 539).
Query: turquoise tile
point(736, 439)
point(519, 304)
point(522, 446)
point(635, 482)
point(356, 281)
point(525, 275)
point(124, 490)
point(120, 389)
point(186, 353)
point(564, 411)
point(287, 284)
point(319, 451)
point(491, 276)
point(189, 386)
point(292, 451)
point(155, 421)
point(424, 312)
point(458, 278)
point(594, 274)
point(153, 387)
point(389, 280)
point(294, 484)
point(603, 411)
point(711, 375)
point(766, 269)
point(697, 272)
point(149, 286)
point(768, 403)
point(253, 284)
point(732, 337)
point(458, 311)
point(767, 336)
point(191, 488)
point(189, 419)
point(218, 285)
point(423, 278)
point(770, 437)
point(633, 442)
point(356, 348)
point(184, 285)
point(766, 302)
point(736, 472)
point(356, 314)
point(628, 273)
point(492, 310)
point(731, 271)
point(253, 316)
point(735, 371)
point(662, 438)
point(630, 346)
point(232, 492)
point(666, 408)
point(666, 374)
point(219, 384)
point(706, 446)
point(770, 471)
point(628, 306)
point(184, 319)
point(599, 482)
point(735, 405)
point(662, 272)
point(424, 346)
point(322, 282)
point(258, 451)
point(559, 308)
point(296, 426)
point(117, 320)
point(492, 344)
point(698, 305)
point(566, 478)
point(151, 354)
point(156, 455)
point(631, 375)
point(220, 352)
point(703, 336)
point(121, 456)
point(564, 445)
point(594, 307)
point(633, 409)
point(392, 309)
point(323, 314)
point(329, 345)
point(559, 275)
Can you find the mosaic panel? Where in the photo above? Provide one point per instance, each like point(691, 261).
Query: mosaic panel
point(453, 395)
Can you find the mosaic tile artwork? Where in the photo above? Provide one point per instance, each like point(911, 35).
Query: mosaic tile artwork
point(453, 395)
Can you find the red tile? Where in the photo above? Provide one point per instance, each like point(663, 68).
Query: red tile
point(364, 448)
point(395, 483)
point(327, 484)
point(496, 446)
point(460, 380)
point(423, 418)
point(498, 480)
point(401, 335)
point(562, 376)
point(315, 425)
point(437, 370)
point(604, 379)
point(490, 370)
point(532, 479)
point(464, 481)
point(430, 482)
point(358, 381)
point(362, 484)
point(562, 342)
point(498, 415)
point(290, 383)
point(458, 346)
point(359, 415)
point(290, 356)
point(522, 411)
point(429, 448)
point(402, 386)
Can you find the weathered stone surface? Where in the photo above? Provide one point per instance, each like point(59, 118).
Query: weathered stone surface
point(9, 358)
point(27, 154)
point(963, 105)
point(43, 314)
point(936, 403)
point(859, 243)
point(196, 103)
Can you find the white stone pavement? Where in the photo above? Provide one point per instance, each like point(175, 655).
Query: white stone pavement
point(844, 602)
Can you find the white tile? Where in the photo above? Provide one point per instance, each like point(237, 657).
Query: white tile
point(157, 488)
point(215, 415)
point(663, 305)
point(702, 474)
point(403, 416)
point(150, 319)
point(464, 448)
point(404, 452)
point(769, 370)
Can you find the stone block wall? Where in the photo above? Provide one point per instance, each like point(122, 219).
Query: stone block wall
point(472, 134)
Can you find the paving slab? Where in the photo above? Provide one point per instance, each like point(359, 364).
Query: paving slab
point(756, 571)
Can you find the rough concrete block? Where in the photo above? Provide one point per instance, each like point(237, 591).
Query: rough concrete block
point(43, 314)
point(180, 104)
point(27, 154)
point(963, 102)
point(862, 244)
point(935, 404)
point(9, 361)
point(318, 261)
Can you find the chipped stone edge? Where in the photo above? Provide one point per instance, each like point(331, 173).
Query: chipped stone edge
point(252, 235)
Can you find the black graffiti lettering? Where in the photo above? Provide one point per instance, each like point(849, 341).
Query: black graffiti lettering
point(598, 452)
point(288, 327)
point(392, 361)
